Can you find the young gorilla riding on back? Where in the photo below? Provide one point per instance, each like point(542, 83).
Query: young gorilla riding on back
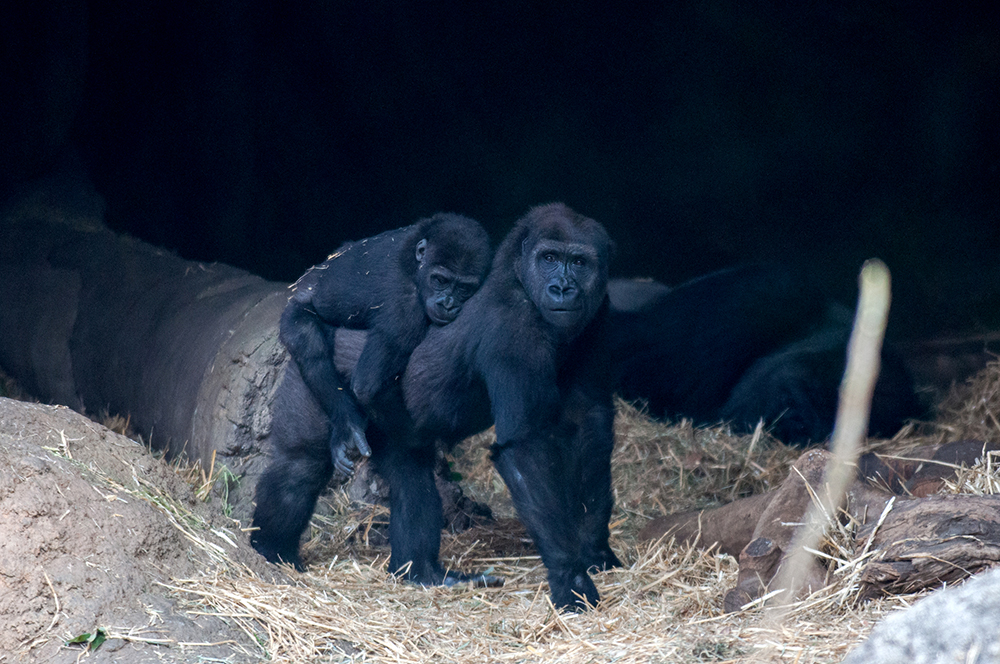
point(394, 285)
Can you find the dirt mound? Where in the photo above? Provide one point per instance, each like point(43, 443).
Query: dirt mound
point(93, 529)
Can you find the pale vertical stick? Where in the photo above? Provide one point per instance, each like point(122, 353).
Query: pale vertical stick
point(850, 428)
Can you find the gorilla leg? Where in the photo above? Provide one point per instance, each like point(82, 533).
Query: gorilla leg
point(286, 497)
point(590, 455)
point(299, 470)
point(415, 513)
point(536, 475)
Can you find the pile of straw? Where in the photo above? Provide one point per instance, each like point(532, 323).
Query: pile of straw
point(664, 606)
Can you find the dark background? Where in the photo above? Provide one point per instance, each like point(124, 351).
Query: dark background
point(701, 134)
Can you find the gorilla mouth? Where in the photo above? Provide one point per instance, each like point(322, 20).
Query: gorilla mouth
point(564, 316)
point(440, 317)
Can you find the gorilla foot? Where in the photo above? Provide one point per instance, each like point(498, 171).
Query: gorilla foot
point(435, 575)
point(277, 554)
point(573, 591)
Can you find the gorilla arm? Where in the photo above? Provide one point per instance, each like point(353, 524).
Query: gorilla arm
point(383, 359)
point(535, 456)
point(309, 340)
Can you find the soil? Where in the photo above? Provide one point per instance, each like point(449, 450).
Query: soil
point(93, 529)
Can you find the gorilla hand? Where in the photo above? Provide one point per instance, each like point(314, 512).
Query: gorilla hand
point(355, 441)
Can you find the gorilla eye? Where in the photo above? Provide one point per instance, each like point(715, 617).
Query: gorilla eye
point(579, 262)
point(549, 257)
point(439, 281)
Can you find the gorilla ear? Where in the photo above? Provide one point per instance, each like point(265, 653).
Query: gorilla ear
point(421, 251)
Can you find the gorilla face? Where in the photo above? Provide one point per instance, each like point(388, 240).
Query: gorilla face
point(563, 267)
point(564, 281)
point(445, 292)
point(452, 261)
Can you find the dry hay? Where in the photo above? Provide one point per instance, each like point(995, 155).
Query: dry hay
point(664, 606)
point(972, 410)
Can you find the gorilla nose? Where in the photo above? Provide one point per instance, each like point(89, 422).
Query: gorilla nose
point(562, 292)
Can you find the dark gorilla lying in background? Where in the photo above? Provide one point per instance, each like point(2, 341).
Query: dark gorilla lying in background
point(745, 344)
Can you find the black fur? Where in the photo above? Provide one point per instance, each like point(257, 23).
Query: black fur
point(299, 469)
point(394, 285)
point(524, 355)
point(795, 390)
point(748, 343)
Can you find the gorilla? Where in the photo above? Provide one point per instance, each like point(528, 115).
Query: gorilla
point(749, 343)
point(525, 355)
point(394, 285)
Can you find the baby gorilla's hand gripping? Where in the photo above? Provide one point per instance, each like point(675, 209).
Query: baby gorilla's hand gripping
point(355, 442)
